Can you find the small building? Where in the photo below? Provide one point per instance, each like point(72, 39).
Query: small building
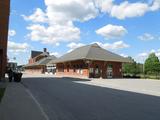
point(38, 62)
point(90, 61)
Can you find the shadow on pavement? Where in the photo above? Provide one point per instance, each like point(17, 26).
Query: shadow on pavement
point(63, 99)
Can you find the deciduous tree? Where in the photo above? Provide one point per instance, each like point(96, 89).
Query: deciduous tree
point(152, 64)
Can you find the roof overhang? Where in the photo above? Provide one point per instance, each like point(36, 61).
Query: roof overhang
point(84, 59)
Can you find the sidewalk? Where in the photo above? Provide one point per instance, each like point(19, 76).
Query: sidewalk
point(19, 104)
point(143, 86)
point(3, 83)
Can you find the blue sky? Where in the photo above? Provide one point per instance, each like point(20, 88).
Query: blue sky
point(128, 28)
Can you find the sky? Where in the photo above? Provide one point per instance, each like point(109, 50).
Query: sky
point(126, 27)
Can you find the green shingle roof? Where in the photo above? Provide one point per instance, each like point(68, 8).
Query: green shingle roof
point(91, 52)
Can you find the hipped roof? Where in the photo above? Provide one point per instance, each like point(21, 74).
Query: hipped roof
point(91, 52)
point(42, 62)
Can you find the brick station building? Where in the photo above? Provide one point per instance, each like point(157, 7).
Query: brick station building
point(38, 62)
point(90, 61)
point(4, 21)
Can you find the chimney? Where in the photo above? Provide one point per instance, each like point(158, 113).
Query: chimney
point(44, 49)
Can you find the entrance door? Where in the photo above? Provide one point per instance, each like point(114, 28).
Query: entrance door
point(109, 71)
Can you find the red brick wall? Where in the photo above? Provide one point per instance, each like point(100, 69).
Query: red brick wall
point(117, 69)
point(74, 70)
point(117, 66)
point(100, 64)
point(35, 70)
point(4, 20)
point(35, 59)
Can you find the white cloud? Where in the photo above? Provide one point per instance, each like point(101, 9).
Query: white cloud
point(59, 17)
point(146, 37)
point(112, 31)
point(158, 53)
point(113, 46)
point(105, 5)
point(71, 10)
point(152, 51)
point(57, 44)
point(73, 46)
point(17, 47)
point(126, 9)
point(12, 33)
point(37, 16)
point(53, 35)
point(155, 6)
point(141, 57)
point(123, 55)
point(109, 46)
point(55, 54)
point(144, 54)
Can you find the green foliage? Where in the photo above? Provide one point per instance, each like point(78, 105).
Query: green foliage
point(139, 68)
point(132, 68)
point(152, 65)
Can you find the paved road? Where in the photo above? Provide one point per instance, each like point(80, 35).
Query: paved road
point(63, 99)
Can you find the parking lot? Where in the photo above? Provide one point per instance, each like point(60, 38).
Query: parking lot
point(82, 99)
point(145, 86)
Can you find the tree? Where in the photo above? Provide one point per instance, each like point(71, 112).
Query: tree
point(152, 64)
point(139, 68)
point(131, 68)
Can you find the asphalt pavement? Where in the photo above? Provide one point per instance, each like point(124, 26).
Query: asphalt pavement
point(19, 104)
point(64, 99)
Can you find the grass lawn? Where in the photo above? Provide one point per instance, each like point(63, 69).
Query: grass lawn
point(1, 93)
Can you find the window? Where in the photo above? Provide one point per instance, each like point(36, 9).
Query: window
point(67, 68)
point(90, 70)
point(109, 71)
point(97, 70)
point(80, 69)
point(110, 66)
point(74, 68)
